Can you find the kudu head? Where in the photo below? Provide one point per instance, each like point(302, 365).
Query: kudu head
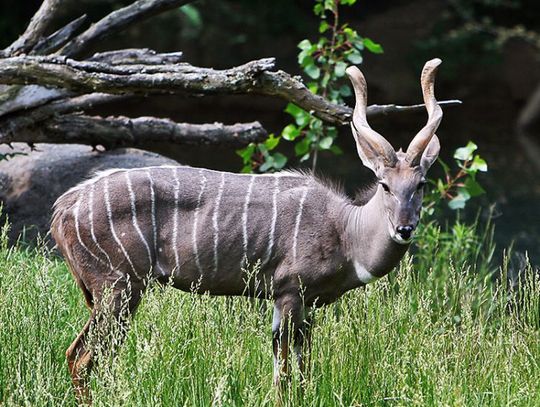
point(401, 175)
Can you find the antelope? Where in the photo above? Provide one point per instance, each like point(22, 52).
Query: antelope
point(196, 229)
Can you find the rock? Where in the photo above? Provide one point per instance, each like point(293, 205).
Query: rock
point(31, 183)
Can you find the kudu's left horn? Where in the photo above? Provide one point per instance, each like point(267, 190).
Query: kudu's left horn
point(422, 139)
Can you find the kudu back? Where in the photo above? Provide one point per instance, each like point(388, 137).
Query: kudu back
point(199, 229)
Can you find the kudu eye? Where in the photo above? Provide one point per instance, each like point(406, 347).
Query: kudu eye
point(385, 187)
point(421, 185)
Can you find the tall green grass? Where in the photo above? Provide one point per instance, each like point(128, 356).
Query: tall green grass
point(440, 331)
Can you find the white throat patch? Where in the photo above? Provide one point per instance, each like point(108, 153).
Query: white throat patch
point(363, 275)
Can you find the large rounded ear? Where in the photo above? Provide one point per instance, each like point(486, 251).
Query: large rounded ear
point(374, 150)
point(430, 154)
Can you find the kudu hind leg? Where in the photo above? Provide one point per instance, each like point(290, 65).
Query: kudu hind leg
point(79, 358)
point(107, 327)
point(288, 328)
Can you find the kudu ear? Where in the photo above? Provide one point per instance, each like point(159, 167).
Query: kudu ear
point(373, 149)
point(430, 154)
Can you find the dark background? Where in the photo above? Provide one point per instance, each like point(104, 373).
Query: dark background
point(493, 79)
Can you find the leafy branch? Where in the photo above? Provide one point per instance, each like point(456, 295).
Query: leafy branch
point(459, 187)
point(324, 61)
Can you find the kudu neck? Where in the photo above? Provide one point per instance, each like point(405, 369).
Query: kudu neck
point(366, 236)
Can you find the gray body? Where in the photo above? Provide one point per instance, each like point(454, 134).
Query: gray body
point(204, 231)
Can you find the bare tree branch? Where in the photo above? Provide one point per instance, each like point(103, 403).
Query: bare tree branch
point(114, 132)
point(252, 77)
point(14, 124)
point(36, 29)
point(374, 110)
point(119, 20)
point(136, 56)
point(59, 38)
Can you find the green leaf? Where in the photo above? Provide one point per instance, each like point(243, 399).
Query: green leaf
point(269, 163)
point(323, 26)
point(339, 70)
point(459, 201)
point(305, 58)
point(336, 150)
point(246, 153)
point(373, 46)
point(473, 187)
point(465, 153)
point(279, 161)
point(305, 157)
point(192, 14)
point(300, 116)
point(355, 57)
point(351, 34)
point(290, 132)
point(313, 71)
point(326, 142)
point(271, 142)
point(345, 91)
point(479, 164)
point(302, 147)
point(304, 44)
point(329, 5)
point(441, 187)
point(246, 169)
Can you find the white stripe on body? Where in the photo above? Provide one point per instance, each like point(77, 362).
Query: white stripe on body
point(135, 221)
point(111, 225)
point(196, 221)
point(153, 210)
point(215, 220)
point(274, 219)
point(91, 221)
point(76, 216)
point(298, 219)
point(175, 221)
point(244, 221)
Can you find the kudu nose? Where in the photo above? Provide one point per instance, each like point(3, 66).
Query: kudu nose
point(405, 231)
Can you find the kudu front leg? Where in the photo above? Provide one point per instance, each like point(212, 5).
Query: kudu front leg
point(288, 328)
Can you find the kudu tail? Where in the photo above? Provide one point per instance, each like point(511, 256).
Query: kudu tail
point(61, 231)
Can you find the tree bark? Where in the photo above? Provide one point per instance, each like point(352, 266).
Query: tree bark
point(113, 132)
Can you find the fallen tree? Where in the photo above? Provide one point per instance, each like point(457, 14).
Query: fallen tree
point(49, 83)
